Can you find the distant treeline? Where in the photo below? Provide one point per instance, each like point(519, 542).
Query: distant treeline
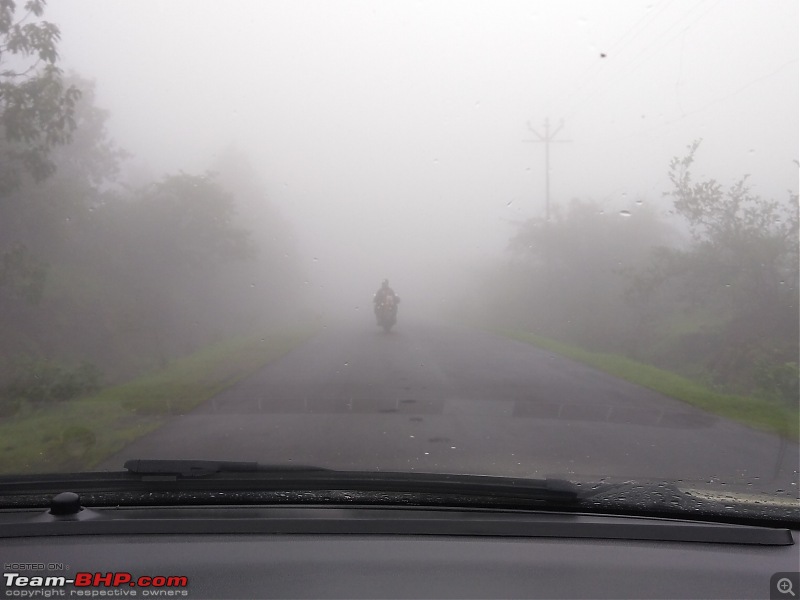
point(129, 277)
point(100, 279)
point(718, 303)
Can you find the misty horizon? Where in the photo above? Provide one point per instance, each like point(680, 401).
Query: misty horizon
point(392, 137)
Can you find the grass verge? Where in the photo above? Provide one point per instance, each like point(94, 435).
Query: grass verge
point(755, 412)
point(78, 434)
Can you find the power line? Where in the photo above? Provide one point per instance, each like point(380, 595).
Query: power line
point(586, 77)
point(637, 61)
point(702, 108)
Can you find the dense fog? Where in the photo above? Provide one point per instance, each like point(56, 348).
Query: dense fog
point(243, 165)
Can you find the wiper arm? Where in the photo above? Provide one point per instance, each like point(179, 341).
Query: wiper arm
point(304, 477)
point(146, 481)
point(201, 468)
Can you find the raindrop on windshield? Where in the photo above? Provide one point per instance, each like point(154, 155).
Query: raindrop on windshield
point(625, 213)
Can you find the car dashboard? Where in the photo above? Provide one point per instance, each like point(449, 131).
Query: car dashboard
point(366, 551)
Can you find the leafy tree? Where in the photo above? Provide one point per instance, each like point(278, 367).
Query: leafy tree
point(90, 155)
point(744, 246)
point(184, 223)
point(740, 272)
point(42, 215)
point(46, 228)
point(36, 108)
point(162, 254)
point(36, 115)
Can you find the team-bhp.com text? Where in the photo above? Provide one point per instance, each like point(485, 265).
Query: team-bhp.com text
point(85, 584)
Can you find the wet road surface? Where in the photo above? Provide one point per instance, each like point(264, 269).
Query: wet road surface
point(447, 399)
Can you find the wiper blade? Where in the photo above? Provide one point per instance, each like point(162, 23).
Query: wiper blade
point(319, 478)
point(194, 481)
point(202, 468)
point(313, 477)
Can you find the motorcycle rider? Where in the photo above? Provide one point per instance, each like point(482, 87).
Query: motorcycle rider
point(380, 297)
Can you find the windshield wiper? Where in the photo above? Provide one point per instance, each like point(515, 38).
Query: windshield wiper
point(184, 482)
point(313, 478)
point(150, 480)
point(202, 468)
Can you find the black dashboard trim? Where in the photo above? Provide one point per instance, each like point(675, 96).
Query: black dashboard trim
point(366, 520)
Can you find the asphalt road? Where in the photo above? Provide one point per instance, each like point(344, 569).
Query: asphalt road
point(445, 399)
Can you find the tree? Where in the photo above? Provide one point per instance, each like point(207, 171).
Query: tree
point(740, 272)
point(161, 255)
point(42, 214)
point(36, 115)
point(36, 108)
point(49, 297)
point(577, 264)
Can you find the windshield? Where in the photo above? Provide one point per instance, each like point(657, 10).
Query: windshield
point(520, 239)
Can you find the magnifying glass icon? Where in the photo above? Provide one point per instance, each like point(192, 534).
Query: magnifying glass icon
point(784, 585)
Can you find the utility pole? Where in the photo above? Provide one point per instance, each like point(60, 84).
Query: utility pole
point(547, 139)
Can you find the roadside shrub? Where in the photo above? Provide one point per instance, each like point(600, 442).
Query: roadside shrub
point(49, 381)
point(779, 380)
point(77, 441)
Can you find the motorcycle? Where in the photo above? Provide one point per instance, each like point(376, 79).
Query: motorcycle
point(386, 311)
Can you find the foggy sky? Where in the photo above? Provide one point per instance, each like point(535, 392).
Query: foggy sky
point(391, 134)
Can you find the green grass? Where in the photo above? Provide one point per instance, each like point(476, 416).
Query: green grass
point(755, 412)
point(79, 434)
